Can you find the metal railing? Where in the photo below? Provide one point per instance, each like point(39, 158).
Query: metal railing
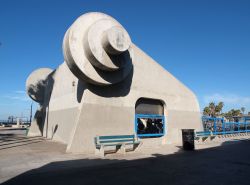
point(218, 126)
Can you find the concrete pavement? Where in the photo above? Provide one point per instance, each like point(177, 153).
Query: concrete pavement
point(45, 162)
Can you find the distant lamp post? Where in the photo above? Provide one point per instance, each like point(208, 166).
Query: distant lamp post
point(31, 112)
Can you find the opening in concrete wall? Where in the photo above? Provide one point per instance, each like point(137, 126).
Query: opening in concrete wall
point(149, 118)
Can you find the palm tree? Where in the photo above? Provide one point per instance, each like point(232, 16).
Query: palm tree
point(236, 112)
point(232, 113)
point(206, 111)
point(213, 110)
point(218, 108)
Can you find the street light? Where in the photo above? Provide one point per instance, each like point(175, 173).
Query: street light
point(31, 112)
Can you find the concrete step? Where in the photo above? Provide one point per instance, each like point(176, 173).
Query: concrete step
point(18, 141)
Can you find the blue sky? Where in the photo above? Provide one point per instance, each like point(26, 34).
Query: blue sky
point(205, 44)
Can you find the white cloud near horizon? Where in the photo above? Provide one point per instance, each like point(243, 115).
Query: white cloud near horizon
point(232, 100)
point(15, 103)
point(20, 92)
point(21, 98)
point(17, 95)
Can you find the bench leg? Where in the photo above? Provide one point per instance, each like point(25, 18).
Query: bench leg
point(122, 149)
point(138, 145)
point(100, 152)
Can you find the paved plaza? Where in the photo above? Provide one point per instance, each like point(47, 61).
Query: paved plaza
point(35, 160)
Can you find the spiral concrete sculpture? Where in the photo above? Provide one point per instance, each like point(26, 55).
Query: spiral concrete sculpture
point(97, 49)
point(103, 85)
point(36, 84)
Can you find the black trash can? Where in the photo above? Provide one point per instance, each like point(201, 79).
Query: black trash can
point(188, 139)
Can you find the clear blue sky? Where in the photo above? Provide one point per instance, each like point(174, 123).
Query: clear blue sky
point(205, 44)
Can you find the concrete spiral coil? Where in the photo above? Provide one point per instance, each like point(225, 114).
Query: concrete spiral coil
point(97, 49)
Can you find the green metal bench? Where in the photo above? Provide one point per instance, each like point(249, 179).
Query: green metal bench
point(202, 134)
point(119, 141)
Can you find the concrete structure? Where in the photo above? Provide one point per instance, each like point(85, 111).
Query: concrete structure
point(104, 82)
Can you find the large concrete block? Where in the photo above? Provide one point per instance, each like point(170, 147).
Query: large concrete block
point(94, 92)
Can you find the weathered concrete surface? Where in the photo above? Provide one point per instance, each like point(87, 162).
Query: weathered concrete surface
point(98, 49)
point(36, 84)
point(47, 163)
point(95, 90)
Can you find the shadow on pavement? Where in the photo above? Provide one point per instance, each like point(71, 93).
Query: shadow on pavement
point(11, 140)
point(228, 164)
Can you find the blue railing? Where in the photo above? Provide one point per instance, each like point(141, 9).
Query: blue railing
point(217, 126)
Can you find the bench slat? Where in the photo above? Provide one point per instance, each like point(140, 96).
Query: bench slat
point(116, 137)
point(202, 133)
point(117, 144)
point(116, 141)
